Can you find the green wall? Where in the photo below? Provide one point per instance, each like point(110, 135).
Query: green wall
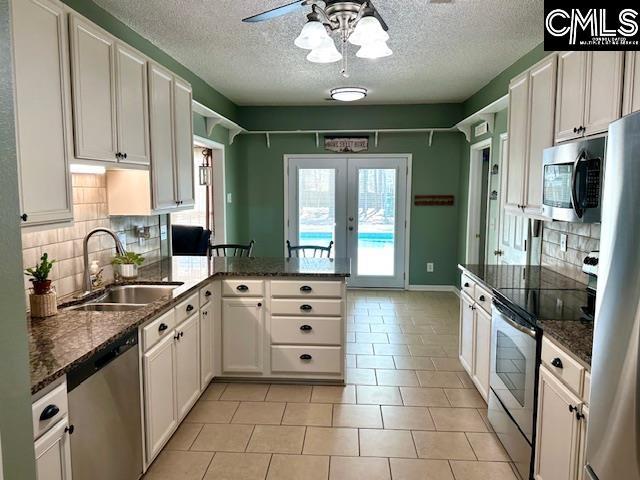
point(202, 92)
point(15, 397)
point(436, 170)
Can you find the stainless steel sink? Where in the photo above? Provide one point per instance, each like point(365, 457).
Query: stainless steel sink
point(135, 294)
point(105, 307)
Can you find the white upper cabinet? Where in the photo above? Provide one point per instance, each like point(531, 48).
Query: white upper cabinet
point(132, 106)
point(631, 83)
point(589, 95)
point(515, 167)
point(43, 111)
point(184, 144)
point(94, 91)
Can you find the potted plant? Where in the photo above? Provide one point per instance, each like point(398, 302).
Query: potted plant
point(43, 299)
point(128, 264)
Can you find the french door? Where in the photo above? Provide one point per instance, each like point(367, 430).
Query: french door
point(359, 203)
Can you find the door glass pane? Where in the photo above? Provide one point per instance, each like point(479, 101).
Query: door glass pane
point(376, 221)
point(317, 206)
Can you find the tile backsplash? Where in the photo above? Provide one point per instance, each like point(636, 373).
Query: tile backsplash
point(65, 244)
point(582, 238)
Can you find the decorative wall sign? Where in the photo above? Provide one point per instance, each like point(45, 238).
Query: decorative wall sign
point(346, 144)
point(433, 200)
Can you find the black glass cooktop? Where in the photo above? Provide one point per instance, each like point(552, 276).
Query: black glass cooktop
point(539, 304)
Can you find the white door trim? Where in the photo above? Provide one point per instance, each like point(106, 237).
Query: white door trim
point(219, 188)
point(409, 190)
point(473, 206)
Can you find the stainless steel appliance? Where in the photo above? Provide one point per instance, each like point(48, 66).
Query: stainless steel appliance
point(513, 382)
point(105, 411)
point(572, 181)
point(613, 432)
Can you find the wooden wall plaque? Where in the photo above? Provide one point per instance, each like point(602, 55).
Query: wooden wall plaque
point(433, 200)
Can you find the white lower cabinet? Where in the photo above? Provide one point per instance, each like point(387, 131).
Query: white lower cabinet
point(187, 364)
point(206, 345)
point(466, 332)
point(242, 335)
point(482, 354)
point(53, 456)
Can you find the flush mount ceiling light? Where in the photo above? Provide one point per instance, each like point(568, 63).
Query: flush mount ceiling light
point(348, 94)
point(356, 22)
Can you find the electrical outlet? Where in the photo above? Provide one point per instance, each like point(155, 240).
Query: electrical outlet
point(563, 242)
point(163, 232)
point(229, 198)
point(430, 267)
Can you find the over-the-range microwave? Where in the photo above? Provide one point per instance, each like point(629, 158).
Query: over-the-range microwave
point(572, 181)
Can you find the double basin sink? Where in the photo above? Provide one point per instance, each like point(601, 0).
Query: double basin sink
point(123, 298)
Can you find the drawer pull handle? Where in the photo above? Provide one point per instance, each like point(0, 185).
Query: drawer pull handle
point(556, 362)
point(189, 308)
point(162, 327)
point(482, 298)
point(306, 308)
point(305, 356)
point(306, 289)
point(242, 288)
point(49, 412)
point(207, 293)
point(306, 328)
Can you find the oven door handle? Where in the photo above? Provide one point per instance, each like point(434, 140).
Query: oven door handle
point(521, 328)
point(574, 190)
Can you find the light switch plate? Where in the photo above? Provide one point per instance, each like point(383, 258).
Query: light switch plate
point(163, 232)
point(229, 198)
point(563, 242)
point(430, 267)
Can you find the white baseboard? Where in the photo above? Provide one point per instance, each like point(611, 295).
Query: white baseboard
point(433, 288)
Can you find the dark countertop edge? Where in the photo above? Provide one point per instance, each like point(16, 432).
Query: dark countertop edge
point(186, 288)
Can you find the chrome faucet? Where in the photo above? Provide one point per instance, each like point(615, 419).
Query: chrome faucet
point(119, 250)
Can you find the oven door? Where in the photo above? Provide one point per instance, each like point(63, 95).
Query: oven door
point(513, 366)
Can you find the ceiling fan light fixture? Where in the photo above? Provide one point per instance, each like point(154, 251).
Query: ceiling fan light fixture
point(348, 94)
point(325, 53)
point(374, 50)
point(312, 35)
point(368, 30)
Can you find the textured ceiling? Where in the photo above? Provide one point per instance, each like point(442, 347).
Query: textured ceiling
point(443, 52)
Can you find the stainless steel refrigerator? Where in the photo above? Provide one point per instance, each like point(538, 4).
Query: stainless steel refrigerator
point(613, 436)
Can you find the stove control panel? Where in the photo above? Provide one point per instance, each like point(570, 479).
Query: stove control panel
point(590, 263)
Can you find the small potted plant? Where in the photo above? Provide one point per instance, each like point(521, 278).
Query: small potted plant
point(43, 299)
point(128, 264)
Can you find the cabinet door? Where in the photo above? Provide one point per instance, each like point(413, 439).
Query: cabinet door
point(159, 395)
point(570, 98)
point(53, 455)
point(631, 83)
point(161, 125)
point(206, 345)
point(482, 357)
point(467, 333)
point(184, 144)
point(516, 162)
point(582, 452)
point(187, 364)
point(132, 105)
point(542, 105)
point(94, 92)
point(604, 90)
point(43, 110)
point(242, 335)
point(557, 430)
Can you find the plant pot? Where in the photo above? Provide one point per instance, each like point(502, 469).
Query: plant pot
point(41, 287)
point(128, 271)
point(43, 305)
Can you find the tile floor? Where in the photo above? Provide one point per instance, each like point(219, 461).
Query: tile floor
point(408, 411)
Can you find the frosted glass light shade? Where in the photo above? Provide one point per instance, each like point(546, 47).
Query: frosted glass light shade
point(348, 94)
point(368, 30)
point(374, 50)
point(325, 53)
point(312, 35)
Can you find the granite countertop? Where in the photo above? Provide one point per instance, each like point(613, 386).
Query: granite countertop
point(554, 302)
point(57, 344)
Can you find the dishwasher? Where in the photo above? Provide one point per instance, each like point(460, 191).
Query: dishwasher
point(105, 414)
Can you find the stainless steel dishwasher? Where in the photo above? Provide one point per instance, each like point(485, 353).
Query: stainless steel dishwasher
point(105, 412)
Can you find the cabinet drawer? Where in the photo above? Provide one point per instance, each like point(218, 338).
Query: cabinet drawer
point(467, 285)
point(562, 365)
point(483, 298)
point(306, 359)
point(586, 389)
point(206, 294)
point(49, 410)
point(303, 306)
point(301, 288)
point(187, 308)
point(306, 331)
point(243, 288)
point(158, 329)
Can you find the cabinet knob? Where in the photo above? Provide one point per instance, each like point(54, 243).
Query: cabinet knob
point(575, 130)
point(573, 408)
point(305, 356)
point(579, 416)
point(189, 308)
point(70, 429)
point(306, 328)
point(207, 293)
point(205, 313)
point(162, 327)
point(482, 298)
point(556, 362)
point(306, 308)
point(24, 217)
point(181, 334)
point(306, 289)
point(242, 288)
point(49, 412)
point(176, 336)
point(259, 304)
point(124, 155)
point(466, 285)
point(118, 155)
